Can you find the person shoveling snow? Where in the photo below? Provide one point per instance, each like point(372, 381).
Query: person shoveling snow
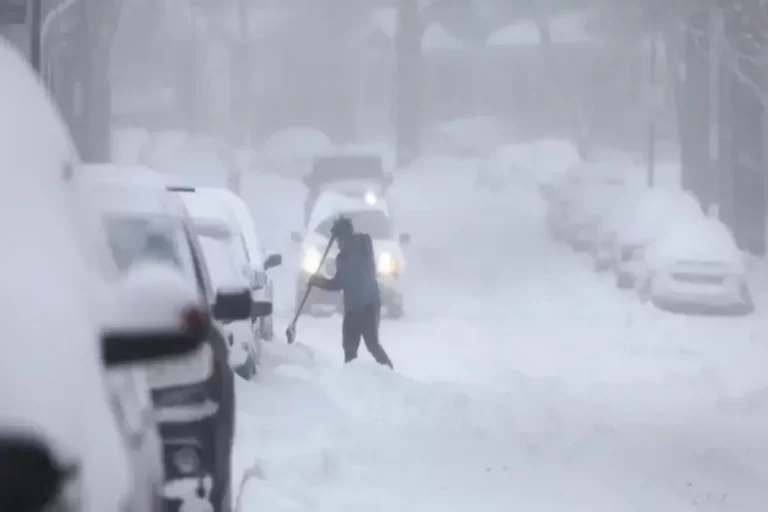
point(356, 279)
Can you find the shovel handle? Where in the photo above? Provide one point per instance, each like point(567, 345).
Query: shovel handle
point(292, 325)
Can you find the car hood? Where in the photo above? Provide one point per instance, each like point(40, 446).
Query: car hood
point(319, 242)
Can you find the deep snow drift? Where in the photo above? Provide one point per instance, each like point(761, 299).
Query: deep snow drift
point(524, 381)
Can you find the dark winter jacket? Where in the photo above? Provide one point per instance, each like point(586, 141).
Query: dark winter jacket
point(355, 274)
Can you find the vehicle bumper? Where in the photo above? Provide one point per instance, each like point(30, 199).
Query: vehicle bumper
point(389, 288)
point(189, 428)
point(667, 291)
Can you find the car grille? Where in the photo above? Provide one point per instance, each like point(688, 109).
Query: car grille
point(697, 278)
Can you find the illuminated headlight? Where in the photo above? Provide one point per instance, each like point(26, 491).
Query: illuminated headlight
point(310, 261)
point(386, 264)
point(370, 198)
point(186, 460)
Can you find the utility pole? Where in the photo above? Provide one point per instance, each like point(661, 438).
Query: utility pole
point(653, 79)
point(35, 35)
point(715, 39)
point(408, 81)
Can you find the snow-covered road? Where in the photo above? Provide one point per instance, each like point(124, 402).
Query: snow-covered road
point(524, 382)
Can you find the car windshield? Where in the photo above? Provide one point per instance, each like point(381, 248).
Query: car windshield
point(374, 223)
point(220, 260)
point(159, 238)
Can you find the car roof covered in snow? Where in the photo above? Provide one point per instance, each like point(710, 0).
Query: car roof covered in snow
point(135, 197)
point(120, 173)
point(331, 203)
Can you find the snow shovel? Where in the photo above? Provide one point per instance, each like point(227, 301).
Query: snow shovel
point(290, 332)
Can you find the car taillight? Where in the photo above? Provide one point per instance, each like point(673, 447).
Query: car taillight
point(194, 319)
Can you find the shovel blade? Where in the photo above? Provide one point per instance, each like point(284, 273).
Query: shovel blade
point(290, 334)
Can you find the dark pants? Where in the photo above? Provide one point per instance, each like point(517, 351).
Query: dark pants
point(363, 323)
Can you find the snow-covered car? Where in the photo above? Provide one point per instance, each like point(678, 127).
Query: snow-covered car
point(350, 173)
point(193, 396)
point(695, 262)
point(73, 397)
point(254, 264)
point(221, 247)
point(374, 220)
point(640, 220)
point(580, 175)
point(576, 220)
point(290, 152)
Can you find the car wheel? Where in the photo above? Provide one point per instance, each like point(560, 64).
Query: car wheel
point(248, 369)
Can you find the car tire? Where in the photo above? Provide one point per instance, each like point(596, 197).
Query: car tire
point(247, 370)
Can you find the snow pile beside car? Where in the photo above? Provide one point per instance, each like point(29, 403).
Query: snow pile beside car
point(656, 241)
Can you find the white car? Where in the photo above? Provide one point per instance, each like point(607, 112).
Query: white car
point(641, 220)
point(221, 203)
point(565, 185)
point(220, 247)
point(193, 396)
point(576, 219)
point(388, 243)
point(695, 263)
point(69, 394)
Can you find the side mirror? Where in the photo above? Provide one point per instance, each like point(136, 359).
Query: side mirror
point(232, 305)
point(32, 477)
point(296, 237)
point(156, 314)
point(404, 238)
point(272, 261)
point(260, 308)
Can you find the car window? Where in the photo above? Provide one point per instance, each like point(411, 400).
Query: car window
point(374, 223)
point(136, 238)
point(221, 263)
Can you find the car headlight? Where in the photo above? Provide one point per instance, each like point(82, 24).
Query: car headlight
point(310, 260)
point(386, 264)
point(370, 198)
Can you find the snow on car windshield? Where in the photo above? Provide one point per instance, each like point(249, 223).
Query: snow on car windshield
point(374, 223)
point(219, 259)
point(134, 238)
